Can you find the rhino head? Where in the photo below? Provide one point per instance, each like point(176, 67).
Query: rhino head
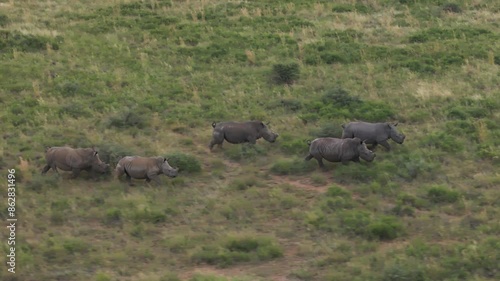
point(395, 134)
point(364, 152)
point(97, 164)
point(168, 170)
point(267, 134)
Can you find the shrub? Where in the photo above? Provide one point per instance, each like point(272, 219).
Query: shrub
point(294, 166)
point(451, 8)
point(111, 153)
point(404, 271)
point(113, 216)
point(243, 183)
point(26, 42)
point(243, 151)
point(38, 182)
point(75, 245)
point(354, 222)
point(330, 129)
point(131, 117)
point(285, 73)
point(4, 20)
point(443, 141)
point(385, 228)
point(442, 194)
point(170, 276)
point(292, 144)
point(68, 89)
point(147, 215)
point(335, 190)
point(185, 162)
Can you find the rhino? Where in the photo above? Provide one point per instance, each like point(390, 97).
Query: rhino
point(240, 132)
point(373, 133)
point(148, 168)
point(73, 159)
point(338, 150)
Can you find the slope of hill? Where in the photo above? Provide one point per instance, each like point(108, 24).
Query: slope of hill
point(149, 78)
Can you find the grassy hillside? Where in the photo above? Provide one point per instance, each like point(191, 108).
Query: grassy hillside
point(149, 78)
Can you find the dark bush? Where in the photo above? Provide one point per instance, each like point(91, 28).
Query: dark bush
point(442, 141)
point(404, 271)
point(185, 162)
point(340, 97)
point(334, 191)
point(25, 42)
point(285, 73)
point(295, 166)
point(129, 118)
point(441, 194)
point(385, 228)
point(4, 20)
point(328, 130)
point(111, 153)
point(451, 8)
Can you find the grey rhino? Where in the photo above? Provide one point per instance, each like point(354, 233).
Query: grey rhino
point(148, 168)
point(373, 133)
point(73, 159)
point(240, 132)
point(338, 150)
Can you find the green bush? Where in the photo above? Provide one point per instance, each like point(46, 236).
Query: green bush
point(185, 162)
point(113, 216)
point(4, 20)
point(404, 271)
point(285, 73)
point(68, 89)
point(243, 151)
point(129, 118)
point(443, 141)
point(75, 245)
point(26, 42)
point(291, 144)
point(238, 250)
point(354, 222)
point(335, 190)
point(442, 194)
point(111, 153)
point(384, 228)
point(147, 215)
point(295, 166)
point(170, 277)
point(327, 130)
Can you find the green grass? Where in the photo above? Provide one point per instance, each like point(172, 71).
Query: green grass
point(149, 78)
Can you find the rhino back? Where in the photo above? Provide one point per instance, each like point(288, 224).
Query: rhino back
point(66, 158)
point(138, 167)
point(238, 132)
point(334, 149)
point(369, 132)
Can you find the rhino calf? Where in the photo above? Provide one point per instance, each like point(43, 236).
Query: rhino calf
point(338, 150)
point(148, 168)
point(73, 159)
point(373, 133)
point(240, 132)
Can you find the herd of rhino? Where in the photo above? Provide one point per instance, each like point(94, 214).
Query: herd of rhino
point(350, 147)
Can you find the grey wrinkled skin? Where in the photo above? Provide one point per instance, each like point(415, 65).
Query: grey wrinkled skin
point(73, 159)
point(148, 168)
point(339, 150)
point(373, 133)
point(240, 132)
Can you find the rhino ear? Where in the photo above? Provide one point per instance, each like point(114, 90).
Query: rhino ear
point(262, 124)
point(395, 124)
point(165, 159)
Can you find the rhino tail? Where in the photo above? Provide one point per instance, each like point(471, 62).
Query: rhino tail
point(214, 124)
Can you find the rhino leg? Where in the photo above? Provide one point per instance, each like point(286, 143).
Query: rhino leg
point(252, 140)
point(217, 138)
point(356, 159)
point(54, 167)
point(76, 172)
point(386, 145)
point(154, 178)
point(320, 162)
point(45, 169)
point(309, 157)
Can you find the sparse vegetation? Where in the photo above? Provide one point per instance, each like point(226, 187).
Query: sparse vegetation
point(149, 77)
